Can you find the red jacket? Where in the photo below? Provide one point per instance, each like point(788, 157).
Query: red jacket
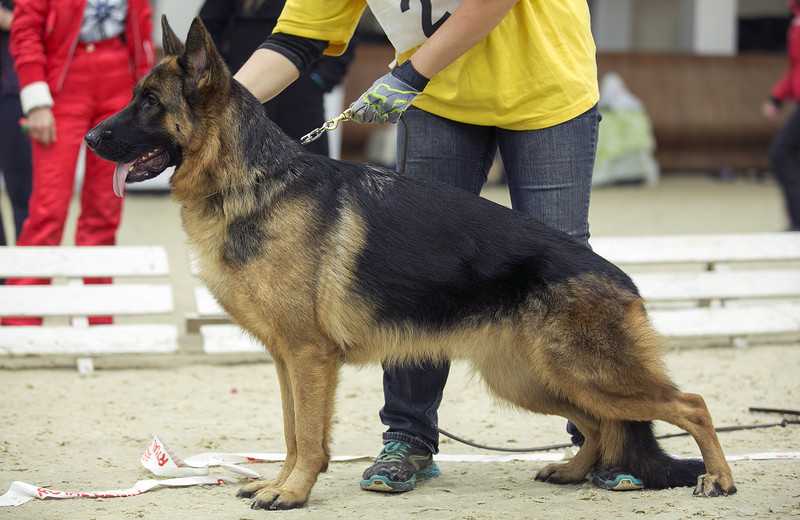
point(788, 88)
point(44, 34)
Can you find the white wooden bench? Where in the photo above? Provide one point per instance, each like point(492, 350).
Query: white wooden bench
point(720, 302)
point(708, 250)
point(738, 295)
point(77, 301)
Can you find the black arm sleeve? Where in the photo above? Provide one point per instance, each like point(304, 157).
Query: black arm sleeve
point(303, 52)
point(217, 15)
point(331, 70)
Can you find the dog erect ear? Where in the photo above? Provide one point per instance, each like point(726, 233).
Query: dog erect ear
point(200, 60)
point(169, 41)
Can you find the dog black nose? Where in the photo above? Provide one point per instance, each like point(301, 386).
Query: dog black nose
point(94, 137)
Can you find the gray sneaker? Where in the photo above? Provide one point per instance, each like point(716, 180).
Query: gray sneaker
point(398, 467)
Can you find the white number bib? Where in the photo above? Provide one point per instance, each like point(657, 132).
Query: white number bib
point(408, 23)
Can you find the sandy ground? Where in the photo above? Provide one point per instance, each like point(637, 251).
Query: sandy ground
point(65, 431)
point(70, 432)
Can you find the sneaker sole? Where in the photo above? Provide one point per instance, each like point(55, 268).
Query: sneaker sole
point(620, 483)
point(383, 484)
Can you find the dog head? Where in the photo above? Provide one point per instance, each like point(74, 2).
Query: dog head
point(171, 110)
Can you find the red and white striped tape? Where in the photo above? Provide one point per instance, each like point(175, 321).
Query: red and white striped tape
point(194, 470)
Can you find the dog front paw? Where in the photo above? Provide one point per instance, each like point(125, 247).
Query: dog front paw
point(277, 499)
point(250, 489)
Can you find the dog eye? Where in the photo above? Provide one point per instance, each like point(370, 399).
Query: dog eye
point(150, 99)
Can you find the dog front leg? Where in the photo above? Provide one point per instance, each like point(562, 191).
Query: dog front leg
point(287, 402)
point(313, 374)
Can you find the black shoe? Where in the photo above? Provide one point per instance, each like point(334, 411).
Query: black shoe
point(398, 467)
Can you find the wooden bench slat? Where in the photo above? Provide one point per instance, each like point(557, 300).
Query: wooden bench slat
point(755, 319)
point(194, 264)
point(678, 324)
point(718, 285)
point(222, 339)
point(72, 300)
point(207, 305)
point(728, 322)
point(47, 262)
point(103, 339)
point(673, 249)
point(678, 286)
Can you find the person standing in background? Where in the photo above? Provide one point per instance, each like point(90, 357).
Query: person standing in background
point(784, 153)
point(77, 63)
point(238, 28)
point(15, 149)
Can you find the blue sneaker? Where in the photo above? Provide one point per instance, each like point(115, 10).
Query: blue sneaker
point(398, 468)
point(616, 479)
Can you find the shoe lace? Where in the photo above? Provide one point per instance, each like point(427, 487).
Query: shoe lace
point(394, 451)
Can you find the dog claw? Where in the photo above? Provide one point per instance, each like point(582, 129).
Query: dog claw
point(277, 505)
point(276, 500)
point(262, 504)
point(709, 486)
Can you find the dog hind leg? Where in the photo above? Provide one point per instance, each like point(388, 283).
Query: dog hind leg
point(639, 452)
point(514, 380)
point(612, 367)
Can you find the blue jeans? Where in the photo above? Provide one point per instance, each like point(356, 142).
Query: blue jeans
point(549, 175)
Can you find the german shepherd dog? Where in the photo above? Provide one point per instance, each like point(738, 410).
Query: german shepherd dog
point(329, 262)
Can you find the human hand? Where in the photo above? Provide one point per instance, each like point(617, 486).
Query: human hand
point(42, 125)
point(385, 101)
point(770, 110)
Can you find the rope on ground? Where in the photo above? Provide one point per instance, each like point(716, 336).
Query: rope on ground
point(723, 429)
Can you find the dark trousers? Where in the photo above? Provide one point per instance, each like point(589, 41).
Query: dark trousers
point(549, 174)
point(15, 162)
point(784, 158)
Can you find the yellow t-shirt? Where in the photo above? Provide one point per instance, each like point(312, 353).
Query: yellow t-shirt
point(535, 69)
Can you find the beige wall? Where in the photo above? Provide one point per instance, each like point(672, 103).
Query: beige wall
point(179, 13)
point(657, 26)
point(753, 8)
point(670, 25)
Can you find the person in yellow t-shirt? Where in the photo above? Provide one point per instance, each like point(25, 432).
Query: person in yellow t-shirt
point(474, 76)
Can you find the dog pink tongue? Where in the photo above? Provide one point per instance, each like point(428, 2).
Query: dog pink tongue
point(120, 174)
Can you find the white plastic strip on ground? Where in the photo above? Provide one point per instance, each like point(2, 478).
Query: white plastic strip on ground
point(194, 470)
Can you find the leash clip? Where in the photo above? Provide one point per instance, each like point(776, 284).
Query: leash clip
point(327, 126)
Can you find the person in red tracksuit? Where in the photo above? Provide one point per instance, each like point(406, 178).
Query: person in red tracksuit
point(784, 154)
point(77, 62)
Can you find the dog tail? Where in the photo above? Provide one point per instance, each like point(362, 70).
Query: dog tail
point(633, 447)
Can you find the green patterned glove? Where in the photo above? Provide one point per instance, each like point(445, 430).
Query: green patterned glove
point(389, 97)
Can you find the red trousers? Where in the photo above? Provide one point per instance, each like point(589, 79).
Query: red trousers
point(98, 83)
